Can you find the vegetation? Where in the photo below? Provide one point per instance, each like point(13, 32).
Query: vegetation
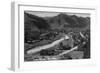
point(43, 30)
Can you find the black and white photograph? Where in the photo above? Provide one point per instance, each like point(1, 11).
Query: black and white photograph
point(56, 36)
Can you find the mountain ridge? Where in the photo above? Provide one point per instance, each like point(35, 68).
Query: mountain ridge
point(35, 25)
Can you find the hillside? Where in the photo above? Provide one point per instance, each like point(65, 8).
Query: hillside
point(40, 31)
point(35, 25)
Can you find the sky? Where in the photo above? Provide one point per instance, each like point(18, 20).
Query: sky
point(51, 14)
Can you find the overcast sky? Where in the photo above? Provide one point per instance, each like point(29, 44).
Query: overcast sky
point(50, 14)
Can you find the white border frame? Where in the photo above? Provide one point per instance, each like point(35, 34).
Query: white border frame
point(17, 56)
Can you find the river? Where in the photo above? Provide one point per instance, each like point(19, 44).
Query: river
point(47, 46)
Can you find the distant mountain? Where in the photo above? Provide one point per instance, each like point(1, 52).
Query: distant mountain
point(35, 25)
point(68, 21)
point(39, 22)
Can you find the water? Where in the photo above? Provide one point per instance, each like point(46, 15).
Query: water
point(37, 49)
